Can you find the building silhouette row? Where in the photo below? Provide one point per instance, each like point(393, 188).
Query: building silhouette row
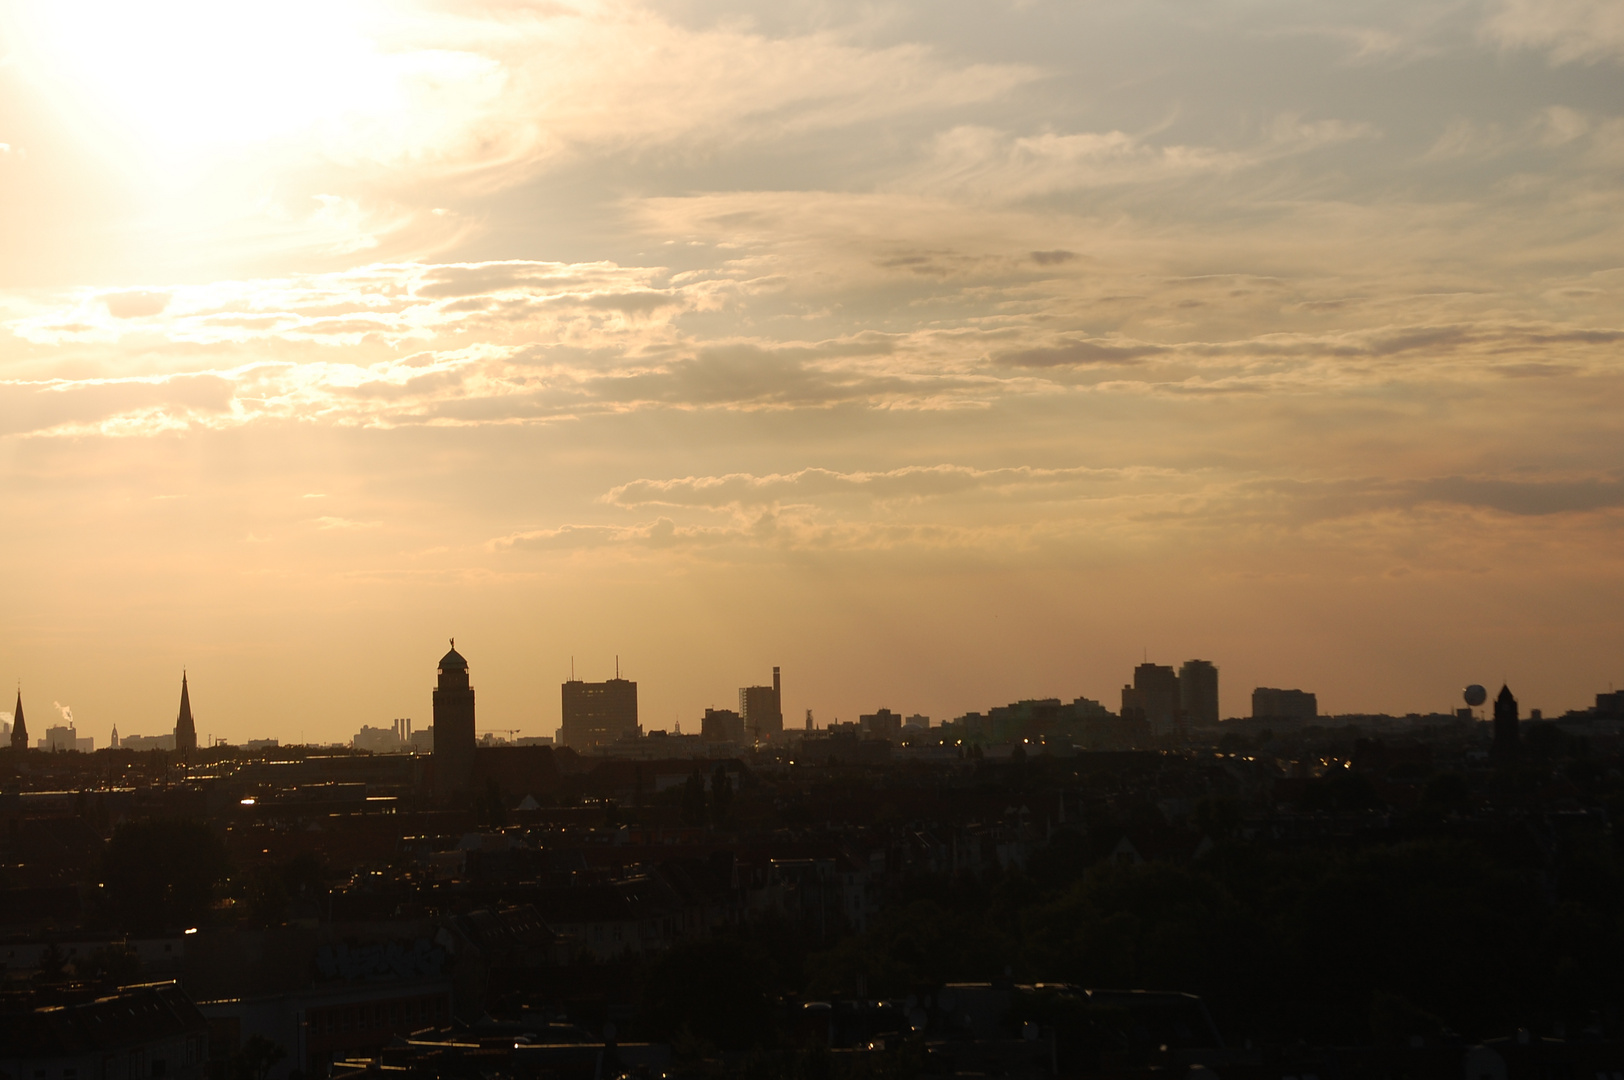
point(59, 737)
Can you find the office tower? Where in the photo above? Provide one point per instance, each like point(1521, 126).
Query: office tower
point(453, 726)
point(1505, 723)
point(185, 729)
point(597, 714)
point(763, 710)
point(1198, 692)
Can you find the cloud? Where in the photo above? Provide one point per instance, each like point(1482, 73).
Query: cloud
point(909, 482)
point(156, 402)
point(1526, 497)
point(660, 533)
point(134, 305)
point(1568, 30)
point(989, 164)
point(1080, 351)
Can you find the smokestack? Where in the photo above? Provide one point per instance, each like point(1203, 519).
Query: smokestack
point(775, 680)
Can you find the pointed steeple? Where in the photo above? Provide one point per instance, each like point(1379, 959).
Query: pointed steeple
point(19, 729)
point(185, 730)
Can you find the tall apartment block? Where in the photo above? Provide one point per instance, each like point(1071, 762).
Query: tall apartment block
point(1198, 692)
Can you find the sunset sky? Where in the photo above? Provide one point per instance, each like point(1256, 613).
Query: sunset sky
point(942, 353)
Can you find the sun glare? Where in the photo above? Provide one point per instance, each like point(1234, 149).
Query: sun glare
point(189, 80)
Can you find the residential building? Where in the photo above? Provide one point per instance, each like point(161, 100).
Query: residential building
point(1198, 692)
point(1153, 697)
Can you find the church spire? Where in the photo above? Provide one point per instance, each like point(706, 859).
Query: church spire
point(185, 730)
point(19, 729)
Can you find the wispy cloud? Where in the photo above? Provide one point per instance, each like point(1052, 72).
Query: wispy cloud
point(1568, 30)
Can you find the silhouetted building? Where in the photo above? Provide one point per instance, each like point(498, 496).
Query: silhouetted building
point(59, 737)
point(453, 725)
point(597, 714)
point(19, 727)
point(185, 729)
point(883, 724)
point(1505, 723)
point(155, 1028)
point(379, 740)
point(722, 725)
point(763, 710)
point(1153, 697)
point(1198, 692)
point(1271, 704)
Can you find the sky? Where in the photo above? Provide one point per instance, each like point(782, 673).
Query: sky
point(941, 353)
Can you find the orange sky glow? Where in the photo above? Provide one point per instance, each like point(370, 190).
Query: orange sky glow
point(942, 354)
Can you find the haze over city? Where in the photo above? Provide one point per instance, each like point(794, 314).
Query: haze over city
point(943, 354)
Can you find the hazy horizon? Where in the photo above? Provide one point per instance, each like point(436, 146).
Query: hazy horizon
point(942, 355)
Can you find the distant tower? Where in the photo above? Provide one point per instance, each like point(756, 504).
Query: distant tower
point(113, 742)
point(763, 710)
point(19, 729)
point(1198, 692)
point(453, 726)
point(185, 730)
point(1505, 723)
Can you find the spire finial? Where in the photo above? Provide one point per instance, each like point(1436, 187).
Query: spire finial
point(453, 643)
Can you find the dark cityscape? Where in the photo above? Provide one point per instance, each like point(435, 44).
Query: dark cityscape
point(1048, 888)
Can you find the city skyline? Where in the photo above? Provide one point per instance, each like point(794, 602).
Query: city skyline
point(946, 353)
point(1177, 712)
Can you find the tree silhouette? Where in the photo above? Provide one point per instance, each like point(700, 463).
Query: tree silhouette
point(721, 795)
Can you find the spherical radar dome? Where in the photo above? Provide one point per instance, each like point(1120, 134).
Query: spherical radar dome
point(1475, 695)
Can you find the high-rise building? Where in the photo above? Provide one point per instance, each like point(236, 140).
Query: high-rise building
point(763, 710)
point(1505, 723)
point(722, 725)
point(1269, 703)
point(1198, 692)
point(598, 714)
point(1154, 696)
point(185, 729)
point(453, 726)
point(19, 727)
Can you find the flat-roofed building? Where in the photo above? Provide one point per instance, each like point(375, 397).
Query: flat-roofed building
point(1198, 692)
point(763, 710)
point(1269, 703)
point(1154, 697)
point(598, 714)
point(722, 725)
